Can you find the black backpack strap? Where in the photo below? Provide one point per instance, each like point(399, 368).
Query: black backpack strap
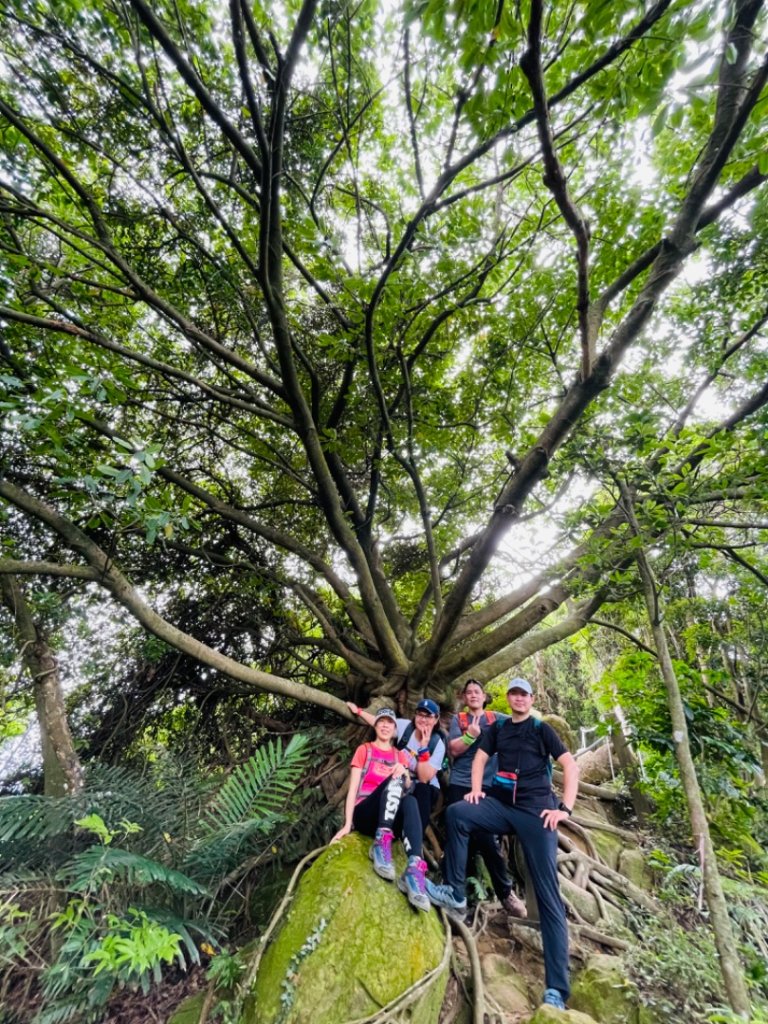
point(402, 743)
point(537, 724)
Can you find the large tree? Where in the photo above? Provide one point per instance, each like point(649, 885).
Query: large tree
point(336, 304)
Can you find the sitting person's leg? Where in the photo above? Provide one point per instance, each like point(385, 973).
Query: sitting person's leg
point(426, 797)
point(376, 816)
point(413, 880)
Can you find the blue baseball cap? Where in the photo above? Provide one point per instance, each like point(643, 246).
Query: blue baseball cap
point(520, 684)
point(428, 705)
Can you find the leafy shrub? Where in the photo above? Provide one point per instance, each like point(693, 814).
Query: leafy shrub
point(107, 887)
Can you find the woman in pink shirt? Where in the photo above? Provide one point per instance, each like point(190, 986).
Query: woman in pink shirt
point(379, 804)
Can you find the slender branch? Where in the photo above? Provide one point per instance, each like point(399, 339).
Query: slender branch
point(409, 108)
point(624, 632)
point(556, 182)
point(193, 80)
point(31, 568)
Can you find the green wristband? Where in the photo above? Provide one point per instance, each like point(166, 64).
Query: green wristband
point(469, 740)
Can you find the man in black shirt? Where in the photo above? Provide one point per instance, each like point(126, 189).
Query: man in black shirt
point(520, 801)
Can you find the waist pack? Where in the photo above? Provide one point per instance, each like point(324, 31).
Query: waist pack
point(506, 782)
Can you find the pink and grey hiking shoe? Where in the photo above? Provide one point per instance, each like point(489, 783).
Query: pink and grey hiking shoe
point(381, 854)
point(413, 883)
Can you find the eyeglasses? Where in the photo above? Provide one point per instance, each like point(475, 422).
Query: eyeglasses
point(425, 714)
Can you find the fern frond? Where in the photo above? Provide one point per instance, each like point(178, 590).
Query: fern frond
point(260, 786)
point(34, 817)
point(99, 864)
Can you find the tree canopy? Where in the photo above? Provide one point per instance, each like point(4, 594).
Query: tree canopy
point(323, 314)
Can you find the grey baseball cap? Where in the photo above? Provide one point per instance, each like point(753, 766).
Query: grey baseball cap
point(385, 713)
point(520, 684)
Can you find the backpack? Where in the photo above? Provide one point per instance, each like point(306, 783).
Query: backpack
point(463, 717)
point(437, 734)
point(537, 724)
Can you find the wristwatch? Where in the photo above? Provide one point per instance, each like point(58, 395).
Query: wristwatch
point(568, 810)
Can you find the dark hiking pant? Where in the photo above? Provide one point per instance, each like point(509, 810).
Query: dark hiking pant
point(426, 798)
point(540, 848)
point(487, 846)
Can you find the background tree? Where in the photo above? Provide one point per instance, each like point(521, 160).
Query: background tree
point(330, 302)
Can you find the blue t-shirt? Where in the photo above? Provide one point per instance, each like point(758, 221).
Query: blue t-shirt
point(461, 766)
point(437, 756)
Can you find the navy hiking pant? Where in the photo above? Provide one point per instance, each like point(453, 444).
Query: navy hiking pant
point(487, 846)
point(540, 848)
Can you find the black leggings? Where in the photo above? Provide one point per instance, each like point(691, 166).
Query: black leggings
point(390, 806)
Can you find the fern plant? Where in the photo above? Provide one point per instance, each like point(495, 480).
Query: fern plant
point(108, 886)
point(249, 807)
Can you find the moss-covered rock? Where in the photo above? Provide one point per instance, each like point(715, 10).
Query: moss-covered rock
point(603, 990)
point(582, 901)
point(549, 1015)
point(608, 846)
point(189, 1011)
point(633, 865)
point(504, 984)
point(349, 945)
point(562, 728)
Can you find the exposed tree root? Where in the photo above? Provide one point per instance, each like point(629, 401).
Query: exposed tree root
point(583, 834)
point(478, 1002)
point(586, 931)
point(596, 871)
point(587, 789)
point(603, 826)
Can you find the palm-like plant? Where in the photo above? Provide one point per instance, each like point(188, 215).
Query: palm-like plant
point(128, 869)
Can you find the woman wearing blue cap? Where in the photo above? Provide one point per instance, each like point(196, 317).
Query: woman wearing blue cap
point(422, 740)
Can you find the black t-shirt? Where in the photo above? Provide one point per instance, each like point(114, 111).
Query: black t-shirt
point(525, 749)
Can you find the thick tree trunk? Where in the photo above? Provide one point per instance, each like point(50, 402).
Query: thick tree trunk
point(631, 769)
point(730, 965)
point(62, 771)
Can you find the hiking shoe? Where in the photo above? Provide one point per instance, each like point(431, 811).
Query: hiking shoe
point(552, 997)
point(442, 896)
point(381, 854)
point(514, 906)
point(412, 883)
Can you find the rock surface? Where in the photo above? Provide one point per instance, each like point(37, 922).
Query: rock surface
point(602, 990)
point(349, 945)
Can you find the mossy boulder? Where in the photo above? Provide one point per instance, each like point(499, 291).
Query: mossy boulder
point(633, 865)
point(504, 984)
point(549, 1015)
point(562, 728)
point(189, 1011)
point(608, 846)
point(603, 990)
point(349, 945)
